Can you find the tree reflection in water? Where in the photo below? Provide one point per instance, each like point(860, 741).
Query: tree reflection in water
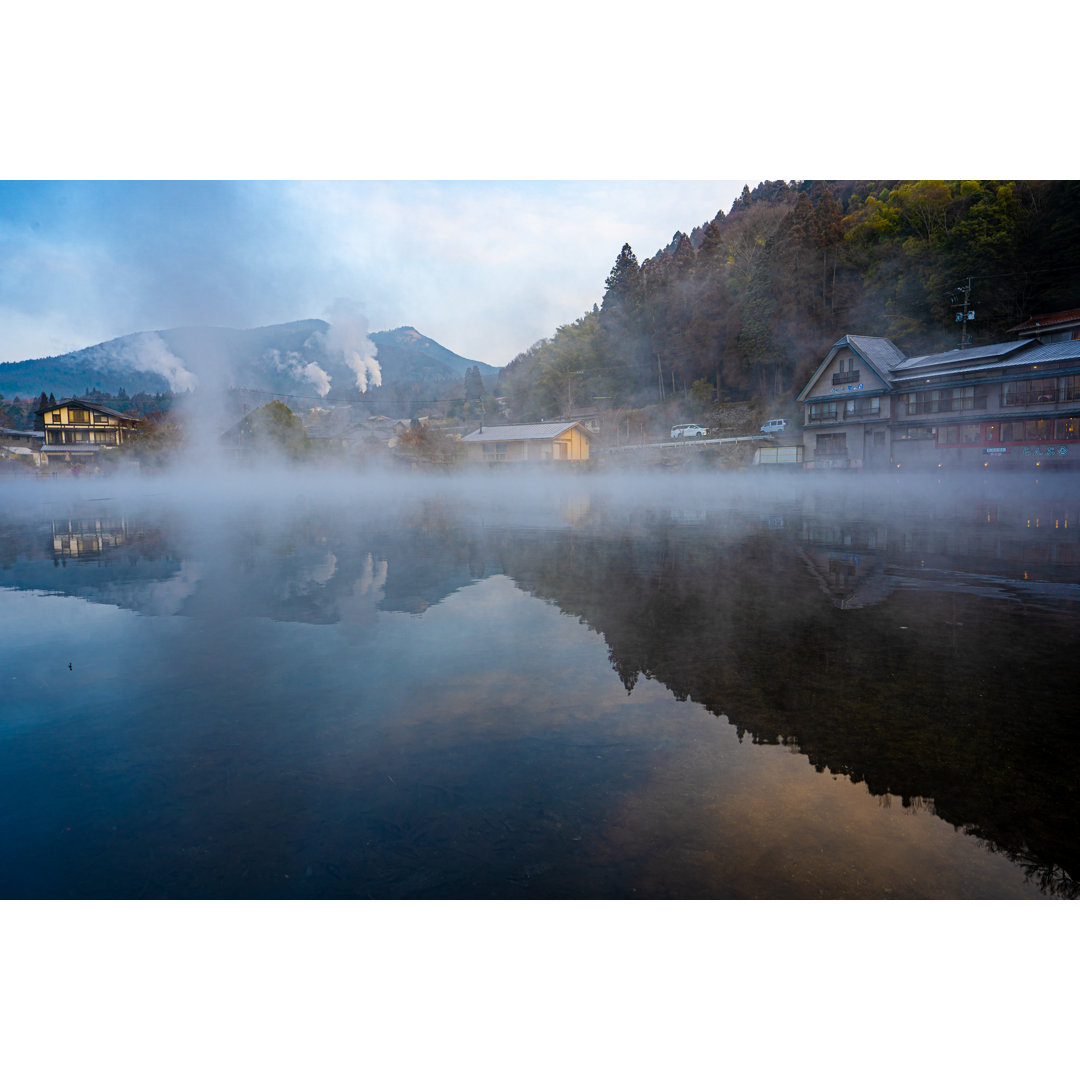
point(947, 690)
point(916, 646)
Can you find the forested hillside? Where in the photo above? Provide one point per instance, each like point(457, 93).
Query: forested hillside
point(751, 301)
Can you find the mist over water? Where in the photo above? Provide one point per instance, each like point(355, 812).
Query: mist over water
point(296, 682)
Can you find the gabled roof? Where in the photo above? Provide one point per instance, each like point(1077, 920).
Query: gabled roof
point(519, 432)
point(87, 405)
point(880, 354)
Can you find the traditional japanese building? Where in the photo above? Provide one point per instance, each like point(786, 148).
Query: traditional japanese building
point(77, 431)
point(1016, 403)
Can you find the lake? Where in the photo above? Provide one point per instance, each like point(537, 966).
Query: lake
point(527, 685)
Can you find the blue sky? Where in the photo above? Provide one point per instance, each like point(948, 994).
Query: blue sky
point(484, 268)
point(440, 96)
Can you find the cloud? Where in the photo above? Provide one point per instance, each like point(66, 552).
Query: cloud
point(484, 268)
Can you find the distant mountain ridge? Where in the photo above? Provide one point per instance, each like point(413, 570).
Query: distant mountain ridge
point(308, 357)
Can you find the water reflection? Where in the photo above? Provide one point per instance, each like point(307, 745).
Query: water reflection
point(370, 695)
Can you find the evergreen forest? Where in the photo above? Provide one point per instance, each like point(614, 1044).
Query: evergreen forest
point(748, 304)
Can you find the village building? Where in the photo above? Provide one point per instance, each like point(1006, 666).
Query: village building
point(587, 417)
point(22, 445)
point(558, 441)
point(1015, 403)
point(77, 431)
point(1055, 326)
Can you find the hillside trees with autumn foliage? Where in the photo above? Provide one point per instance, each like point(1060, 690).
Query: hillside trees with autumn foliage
point(751, 301)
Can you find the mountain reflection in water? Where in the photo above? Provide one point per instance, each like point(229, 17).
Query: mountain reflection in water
point(574, 689)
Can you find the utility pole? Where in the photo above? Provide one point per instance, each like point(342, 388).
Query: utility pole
point(964, 316)
point(570, 391)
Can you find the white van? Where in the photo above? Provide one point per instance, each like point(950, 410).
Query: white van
point(688, 431)
point(773, 427)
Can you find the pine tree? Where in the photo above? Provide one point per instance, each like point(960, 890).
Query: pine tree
point(622, 288)
point(623, 340)
point(474, 384)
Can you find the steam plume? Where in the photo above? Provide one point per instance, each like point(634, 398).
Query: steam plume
point(293, 364)
point(348, 338)
point(147, 352)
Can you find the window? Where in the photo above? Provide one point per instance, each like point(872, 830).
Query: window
point(825, 410)
point(78, 416)
point(1037, 430)
point(916, 433)
point(495, 451)
point(959, 434)
point(855, 407)
point(1070, 388)
point(1012, 431)
point(1029, 391)
point(1067, 428)
point(100, 418)
point(950, 399)
point(830, 445)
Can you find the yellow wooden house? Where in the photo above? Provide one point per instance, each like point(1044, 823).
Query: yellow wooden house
point(77, 431)
point(545, 442)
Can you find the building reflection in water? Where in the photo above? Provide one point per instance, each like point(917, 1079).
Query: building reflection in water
point(902, 643)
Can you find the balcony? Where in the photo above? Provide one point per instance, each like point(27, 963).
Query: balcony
point(842, 378)
point(1036, 397)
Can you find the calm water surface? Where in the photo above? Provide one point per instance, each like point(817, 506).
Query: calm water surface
point(523, 687)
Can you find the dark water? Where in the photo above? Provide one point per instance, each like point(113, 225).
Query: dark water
point(630, 687)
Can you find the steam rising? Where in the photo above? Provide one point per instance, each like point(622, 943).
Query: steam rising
point(147, 352)
point(292, 363)
point(348, 338)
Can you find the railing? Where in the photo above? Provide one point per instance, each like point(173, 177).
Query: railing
point(1038, 397)
point(949, 406)
point(841, 417)
point(840, 377)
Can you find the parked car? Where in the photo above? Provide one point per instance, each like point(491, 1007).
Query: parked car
point(688, 431)
point(773, 427)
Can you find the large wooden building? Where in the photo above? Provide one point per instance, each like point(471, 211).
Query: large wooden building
point(77, 431)
point(1012, 404)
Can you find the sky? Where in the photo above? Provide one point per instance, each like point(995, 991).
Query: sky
point(473, 170)
point(466, 171)
point(484, 268)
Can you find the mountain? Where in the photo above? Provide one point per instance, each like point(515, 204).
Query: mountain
point(304, 358)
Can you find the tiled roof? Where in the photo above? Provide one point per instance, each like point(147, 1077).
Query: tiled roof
point(984, 352)
point(88, 405)
point(881, 352)
point(1055, 350)
point(517, 432)
point(991, 357)
point(1053, 318)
